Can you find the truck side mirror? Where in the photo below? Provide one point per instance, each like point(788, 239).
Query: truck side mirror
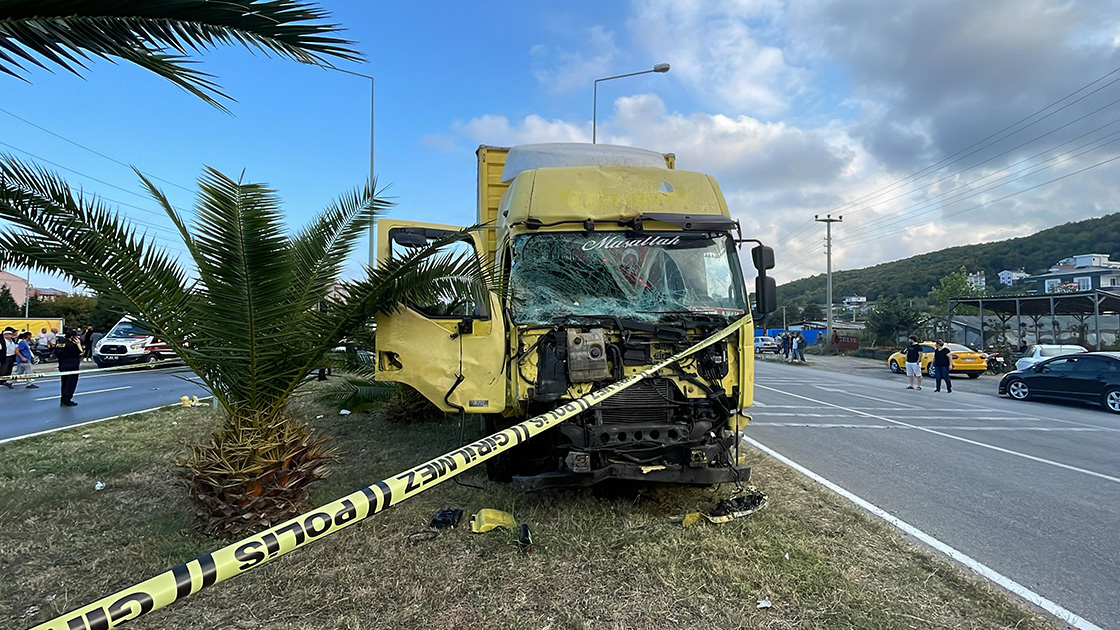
point(766, 293)
point(763, 257)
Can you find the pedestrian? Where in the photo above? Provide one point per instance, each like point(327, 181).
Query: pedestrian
point(914, 363)
point(7, 355)
point(68, 349)
point(41, 341)
point(941, 362)
point(793, 347)
point(87, 343)
point(800, 339)
point(785, 345)
point(24, 359)
point(52, 337)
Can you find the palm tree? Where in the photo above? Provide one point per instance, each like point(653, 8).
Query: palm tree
point(158, 36)
point(252, 310)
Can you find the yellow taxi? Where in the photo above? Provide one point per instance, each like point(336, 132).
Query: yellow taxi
point(962, 360)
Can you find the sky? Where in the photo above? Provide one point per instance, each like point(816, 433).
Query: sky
point(924, 124)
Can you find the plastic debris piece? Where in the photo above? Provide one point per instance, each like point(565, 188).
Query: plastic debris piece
point(487, 519)
point(49, 598)
point(319, 417)
point(447, 517)
point(100, 485)
point(691, 519)
point(191, 401)
point(525, 539)
point(764, 603)
point(31, 612)
point(746, 503)
point(648, 469)
point(85, 436)
point(787, 555)
point(174, 424)
point(343, 412)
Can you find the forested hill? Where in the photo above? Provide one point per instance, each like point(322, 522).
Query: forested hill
point(915, 276)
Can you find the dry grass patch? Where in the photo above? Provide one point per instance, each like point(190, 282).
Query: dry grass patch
point(602, 559)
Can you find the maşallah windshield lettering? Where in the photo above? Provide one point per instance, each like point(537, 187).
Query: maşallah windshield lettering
point(639, 277)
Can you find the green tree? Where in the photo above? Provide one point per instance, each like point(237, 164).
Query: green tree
point(75, 309)
point(811, 312)
point(953, 285)
point(8, 305)
point(253, 316)
point(107, 312)
point(892, 317)
point(157, 36)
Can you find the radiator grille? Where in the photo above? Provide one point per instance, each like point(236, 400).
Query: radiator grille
point(642, 402)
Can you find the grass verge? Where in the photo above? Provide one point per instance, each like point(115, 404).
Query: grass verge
point(602, 559)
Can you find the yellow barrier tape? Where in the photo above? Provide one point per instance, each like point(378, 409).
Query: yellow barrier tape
point(233, 560)
point(115, 368)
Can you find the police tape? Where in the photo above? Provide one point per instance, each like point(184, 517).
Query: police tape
point(115, 368)
point(232, 560)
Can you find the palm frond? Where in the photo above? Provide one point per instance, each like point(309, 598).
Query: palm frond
point(88, 243)
point(67, 33)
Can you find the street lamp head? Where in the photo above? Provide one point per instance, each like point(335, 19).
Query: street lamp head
point(661, 67)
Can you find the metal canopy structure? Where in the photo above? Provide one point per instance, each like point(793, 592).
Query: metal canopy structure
point(1081, 305)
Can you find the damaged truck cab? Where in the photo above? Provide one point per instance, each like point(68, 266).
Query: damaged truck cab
point(611, 261)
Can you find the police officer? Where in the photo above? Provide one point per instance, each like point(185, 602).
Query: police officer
point(68, 349)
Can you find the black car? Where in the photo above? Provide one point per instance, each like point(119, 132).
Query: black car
point(1090, 377)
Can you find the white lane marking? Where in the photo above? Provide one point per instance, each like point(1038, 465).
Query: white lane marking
point(978, 567)
point(825, 425)
point(82, 424)
point(967, 441)
point(882, 400)
point(96, 391)
point(758, 403)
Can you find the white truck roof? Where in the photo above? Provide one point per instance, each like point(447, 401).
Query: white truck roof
point(532, 156)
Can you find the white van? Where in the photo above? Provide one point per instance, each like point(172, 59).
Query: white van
point(1041, 351)
point(129, 343)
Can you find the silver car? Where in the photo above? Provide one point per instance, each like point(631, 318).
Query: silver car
point(1042, 351)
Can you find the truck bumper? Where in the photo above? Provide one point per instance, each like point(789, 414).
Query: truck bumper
point(702, 476)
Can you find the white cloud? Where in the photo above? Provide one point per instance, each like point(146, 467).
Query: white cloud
point(566, 70)
point(731, 52)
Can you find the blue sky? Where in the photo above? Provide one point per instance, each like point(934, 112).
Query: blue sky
point(796, 109)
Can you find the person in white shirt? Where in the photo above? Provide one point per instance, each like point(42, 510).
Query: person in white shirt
point(7, 355)
point(41, 341)
point(51, 336)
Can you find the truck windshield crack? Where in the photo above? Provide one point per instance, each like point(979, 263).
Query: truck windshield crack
point(614, 274)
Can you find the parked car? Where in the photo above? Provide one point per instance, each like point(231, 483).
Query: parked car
point(1042, 351)
point(963, 360)
point(767, 344)
point(1087, 376)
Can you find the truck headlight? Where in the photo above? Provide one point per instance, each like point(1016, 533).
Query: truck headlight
point(137, 346)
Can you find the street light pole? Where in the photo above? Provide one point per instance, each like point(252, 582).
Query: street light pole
point(373, 224)
point(828, 221)
point(27, 294)
point(661, 67)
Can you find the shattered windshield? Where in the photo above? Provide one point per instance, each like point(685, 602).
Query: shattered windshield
point(624, 275)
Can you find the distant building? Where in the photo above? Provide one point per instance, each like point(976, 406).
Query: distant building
point(45, 293)
point(855, 302)
point(15, 284)
point(977, 280)
point(1083, 272)
point(1009, 277)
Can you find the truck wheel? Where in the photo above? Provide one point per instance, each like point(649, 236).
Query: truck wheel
point(152, 358)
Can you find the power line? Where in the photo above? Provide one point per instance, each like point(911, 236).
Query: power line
point(942, 162)
point(93, 151)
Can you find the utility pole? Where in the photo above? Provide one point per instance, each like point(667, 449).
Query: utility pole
point(784, 327)
point(828, 221)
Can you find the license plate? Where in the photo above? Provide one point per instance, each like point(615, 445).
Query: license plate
point(966, 359)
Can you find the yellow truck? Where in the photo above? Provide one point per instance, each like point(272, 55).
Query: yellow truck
point(611, 260)
point(33, 324)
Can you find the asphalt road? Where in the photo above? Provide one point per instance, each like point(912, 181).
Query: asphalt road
point(99, 395)
point(1031, 489)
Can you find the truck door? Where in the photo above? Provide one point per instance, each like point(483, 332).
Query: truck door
point(452, 353)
